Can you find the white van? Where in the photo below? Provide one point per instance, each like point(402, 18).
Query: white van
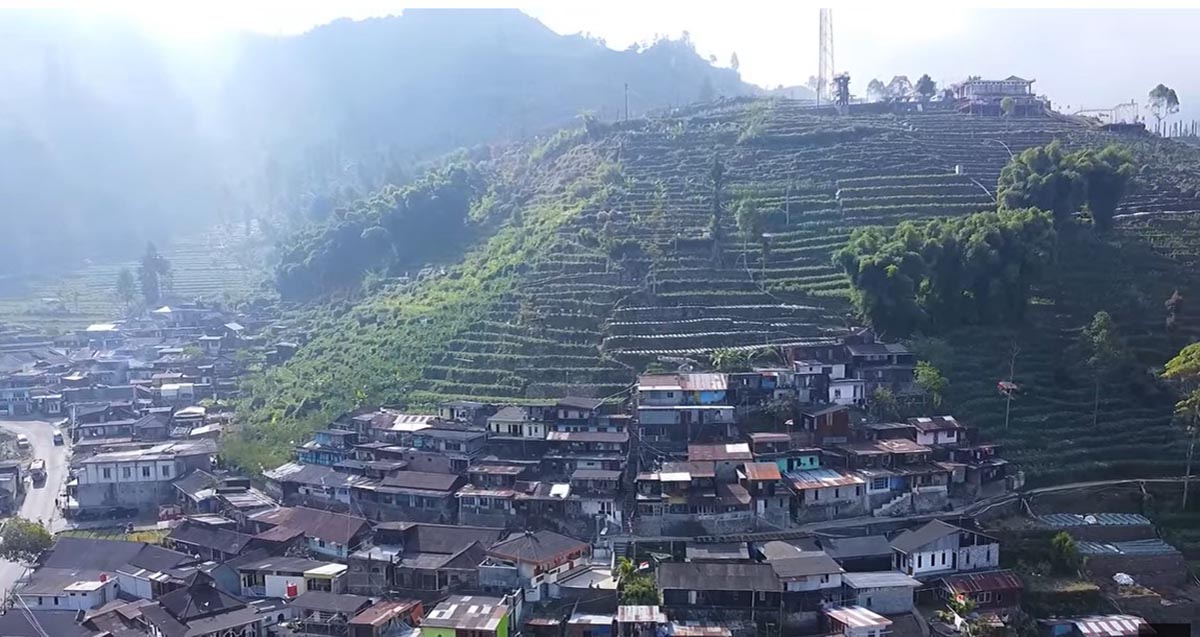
point(22, 441)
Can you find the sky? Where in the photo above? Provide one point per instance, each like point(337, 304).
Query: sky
point(1080, 57)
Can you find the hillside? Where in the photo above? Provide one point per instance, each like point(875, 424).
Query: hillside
point(123, 138)
point(610, 262)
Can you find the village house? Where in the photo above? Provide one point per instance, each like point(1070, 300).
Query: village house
point(313, 485)
point(469, 616)
point(209, 542)
point(415, 496)
point(771, 498)
point(569, 451)
point(990, 590)
point(938, 548)
point(467, 412)
point(809, 579)
point(326, 533)
point(82, 573)
point(387, 618)
point(856, 621)
point(524, 422)
point(287, 577)
point(860, 554)
point(684, 407)
point(202, 610)
point(825, 425)
point(941, 431)
point(461, 445)
point(825, 494)
point(137, 478)
point(324, 614)
point(883, 592)
point(421, 560)
point(328, 447)
point(709, 586)
point(533, 561)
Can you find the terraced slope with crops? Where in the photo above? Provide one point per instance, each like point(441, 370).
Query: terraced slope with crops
point(586, 312)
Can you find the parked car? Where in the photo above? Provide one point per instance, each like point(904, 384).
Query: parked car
point(22, 441)
point(58, 438)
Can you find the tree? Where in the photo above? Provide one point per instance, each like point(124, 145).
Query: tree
point(1043, 177)
point(1008, 106)
point(1163, 102)
point(930, 379)
point(733, 61)
point(154, 273)
point(876, 91)
point(1052, 179)
point(926, 87)
point(883, 404)
point(751, 223)
point(1064, 552)
point(126, 289)
point(976, 269)
point(725, 359)
point(1184, 372)
point(1107, 176)
point(899, 87)
point(23, 540)
point(1104, 353)
point(636, 588)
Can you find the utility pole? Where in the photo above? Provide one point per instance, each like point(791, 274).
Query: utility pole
point(627, 101)
point(1012, 370)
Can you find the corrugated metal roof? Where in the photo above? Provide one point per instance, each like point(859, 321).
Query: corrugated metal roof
point(731, 451)
point(761, 471)
point(1066, 520)
point(821, 478)
point(1136, 547)
point(857, 617)
point(1109, 625)
point(685, 382)
point(1002, 580)
point(641, 614)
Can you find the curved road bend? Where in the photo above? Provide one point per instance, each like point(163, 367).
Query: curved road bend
point(39, 501)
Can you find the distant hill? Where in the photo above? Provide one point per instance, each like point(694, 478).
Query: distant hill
point(109, 138)
point(611, 256)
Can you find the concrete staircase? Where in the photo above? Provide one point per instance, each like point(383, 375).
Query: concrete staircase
point(898, 505)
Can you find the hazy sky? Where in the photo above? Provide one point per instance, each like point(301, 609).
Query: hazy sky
point(1090, 57)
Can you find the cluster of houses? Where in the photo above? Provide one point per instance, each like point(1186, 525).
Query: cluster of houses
point(483, 519)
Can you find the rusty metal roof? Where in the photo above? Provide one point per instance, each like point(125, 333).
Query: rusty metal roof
point(761, 471)
point(1002, 580)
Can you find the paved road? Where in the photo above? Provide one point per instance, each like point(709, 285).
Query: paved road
point(39, 500)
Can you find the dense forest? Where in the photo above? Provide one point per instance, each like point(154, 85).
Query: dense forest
point(121, 138)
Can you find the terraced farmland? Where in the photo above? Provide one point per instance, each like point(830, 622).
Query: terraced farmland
point(583, 320)
point(206, 266)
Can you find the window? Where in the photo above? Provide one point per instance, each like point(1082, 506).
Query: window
point(107, 473)
point(670, 394)
point(837, 493)
point(920, 558)
point(816, 494)
point(984, 597)
point(166, 471)
point(858, 490)
point(126, 472)
point(56, 600)
point(145, 472)
point(837, 393)
point(321, 543)
point(39, 600)
point(989, 553)
point(943, 558)
point(825, 578)
point(878, 484)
